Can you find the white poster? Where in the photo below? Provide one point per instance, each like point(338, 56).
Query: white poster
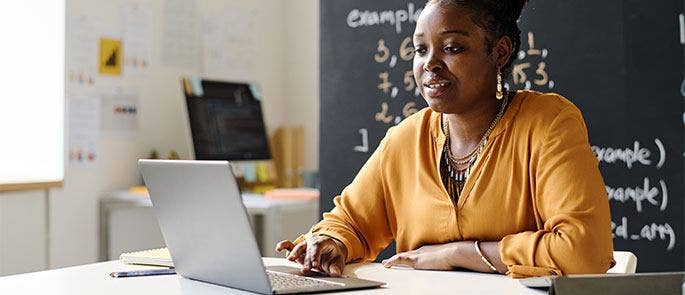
point(229, 41)
point(82, 52)
point(84, 127)
point(138, 35)
point(181, 34)
point(119, 113)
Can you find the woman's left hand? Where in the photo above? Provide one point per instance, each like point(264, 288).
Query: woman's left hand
point(433, 257)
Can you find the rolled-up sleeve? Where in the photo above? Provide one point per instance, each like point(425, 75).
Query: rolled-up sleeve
point(359, 219)
point(570, 201)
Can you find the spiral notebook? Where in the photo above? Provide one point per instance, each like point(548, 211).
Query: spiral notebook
point(155, 257)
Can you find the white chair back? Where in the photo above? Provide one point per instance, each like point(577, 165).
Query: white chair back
point(626, 262)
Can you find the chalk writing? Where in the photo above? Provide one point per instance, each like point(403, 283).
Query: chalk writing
point(649, 232)
point(639, 194)
point(409, 109)
point(406, 49)
point(409, 81)
point(630, 156)
point(357, 18)
point(364, 147)
point(386, 54)
point(383, 52)
point(531, 67)
point(383, 116)
point(385, 83)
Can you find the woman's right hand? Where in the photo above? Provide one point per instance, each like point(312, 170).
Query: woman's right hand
point(317, 253)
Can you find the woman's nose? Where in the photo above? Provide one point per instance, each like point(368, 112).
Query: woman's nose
point(432, 64)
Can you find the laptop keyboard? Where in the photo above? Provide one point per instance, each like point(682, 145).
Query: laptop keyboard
point(280, 281)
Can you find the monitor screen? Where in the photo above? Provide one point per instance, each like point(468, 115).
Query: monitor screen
point(226, 122)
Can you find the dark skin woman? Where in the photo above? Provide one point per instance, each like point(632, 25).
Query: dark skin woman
point(462, 50)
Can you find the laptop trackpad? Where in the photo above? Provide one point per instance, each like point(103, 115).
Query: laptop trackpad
point(295, 271)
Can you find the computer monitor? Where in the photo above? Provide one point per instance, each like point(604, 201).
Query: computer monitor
point(226, 121)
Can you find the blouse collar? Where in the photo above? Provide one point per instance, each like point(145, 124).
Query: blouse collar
point(506, 120)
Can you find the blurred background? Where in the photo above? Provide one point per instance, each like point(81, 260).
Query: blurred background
point(298, 94)
point(124, 66)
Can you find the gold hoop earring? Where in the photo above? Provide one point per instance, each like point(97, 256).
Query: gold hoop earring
point(499, 94)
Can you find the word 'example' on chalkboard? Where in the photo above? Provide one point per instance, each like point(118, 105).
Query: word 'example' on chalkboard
point(644, 194)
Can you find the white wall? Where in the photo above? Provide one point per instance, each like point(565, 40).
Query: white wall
point(302, 66)
point(23, 232)
point(287, 68)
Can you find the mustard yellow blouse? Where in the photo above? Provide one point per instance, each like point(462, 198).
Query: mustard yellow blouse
point(536, 187)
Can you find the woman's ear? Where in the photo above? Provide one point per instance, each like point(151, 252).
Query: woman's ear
point(503, 50)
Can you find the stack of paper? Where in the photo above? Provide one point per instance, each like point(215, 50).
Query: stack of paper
point(156, 257)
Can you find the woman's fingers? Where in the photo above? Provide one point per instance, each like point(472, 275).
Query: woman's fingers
point(297, 252)
point(401, 259)
point(325, 263)
point(284, 245)
point(311, 255)
point(335, 266)
point(324, 256)
point(328, 256)
point(321, 254)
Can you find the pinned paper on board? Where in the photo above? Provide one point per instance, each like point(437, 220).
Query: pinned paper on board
point(119, 113)
point(181, 34)
point(137, 22)
point(84, 121)
point(110, 56)
point(229, 39)
point(82, 42)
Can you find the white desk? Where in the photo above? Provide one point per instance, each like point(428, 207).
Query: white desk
point(95, 279)
point(127, 222)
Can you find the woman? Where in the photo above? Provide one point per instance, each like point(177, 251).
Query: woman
point(483, 179)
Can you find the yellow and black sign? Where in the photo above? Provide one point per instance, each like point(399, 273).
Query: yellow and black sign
point(110, 56)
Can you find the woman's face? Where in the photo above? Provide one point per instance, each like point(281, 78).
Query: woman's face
point(452, 67)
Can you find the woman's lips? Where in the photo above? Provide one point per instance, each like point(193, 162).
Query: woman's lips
point(435, 89)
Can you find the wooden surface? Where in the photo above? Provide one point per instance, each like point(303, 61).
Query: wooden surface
point(30, 186)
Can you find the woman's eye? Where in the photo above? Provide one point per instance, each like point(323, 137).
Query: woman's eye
point(420, 50)
point(454, 49)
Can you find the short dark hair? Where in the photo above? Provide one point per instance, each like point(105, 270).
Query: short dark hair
point(497, 17)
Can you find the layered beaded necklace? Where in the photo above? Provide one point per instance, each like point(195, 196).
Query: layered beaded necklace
point(455, 171)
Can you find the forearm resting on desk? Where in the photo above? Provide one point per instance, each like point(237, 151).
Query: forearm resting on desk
point(461, 254)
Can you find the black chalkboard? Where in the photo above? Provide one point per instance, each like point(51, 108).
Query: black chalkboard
point(620, 62)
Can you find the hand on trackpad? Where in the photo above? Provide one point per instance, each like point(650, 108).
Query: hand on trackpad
point(299, 272)
point(315, 272)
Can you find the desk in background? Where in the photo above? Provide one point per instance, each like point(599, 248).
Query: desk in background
point(95, 279)
point(127, 222)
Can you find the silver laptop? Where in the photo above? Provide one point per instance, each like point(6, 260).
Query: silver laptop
point(207, 230)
